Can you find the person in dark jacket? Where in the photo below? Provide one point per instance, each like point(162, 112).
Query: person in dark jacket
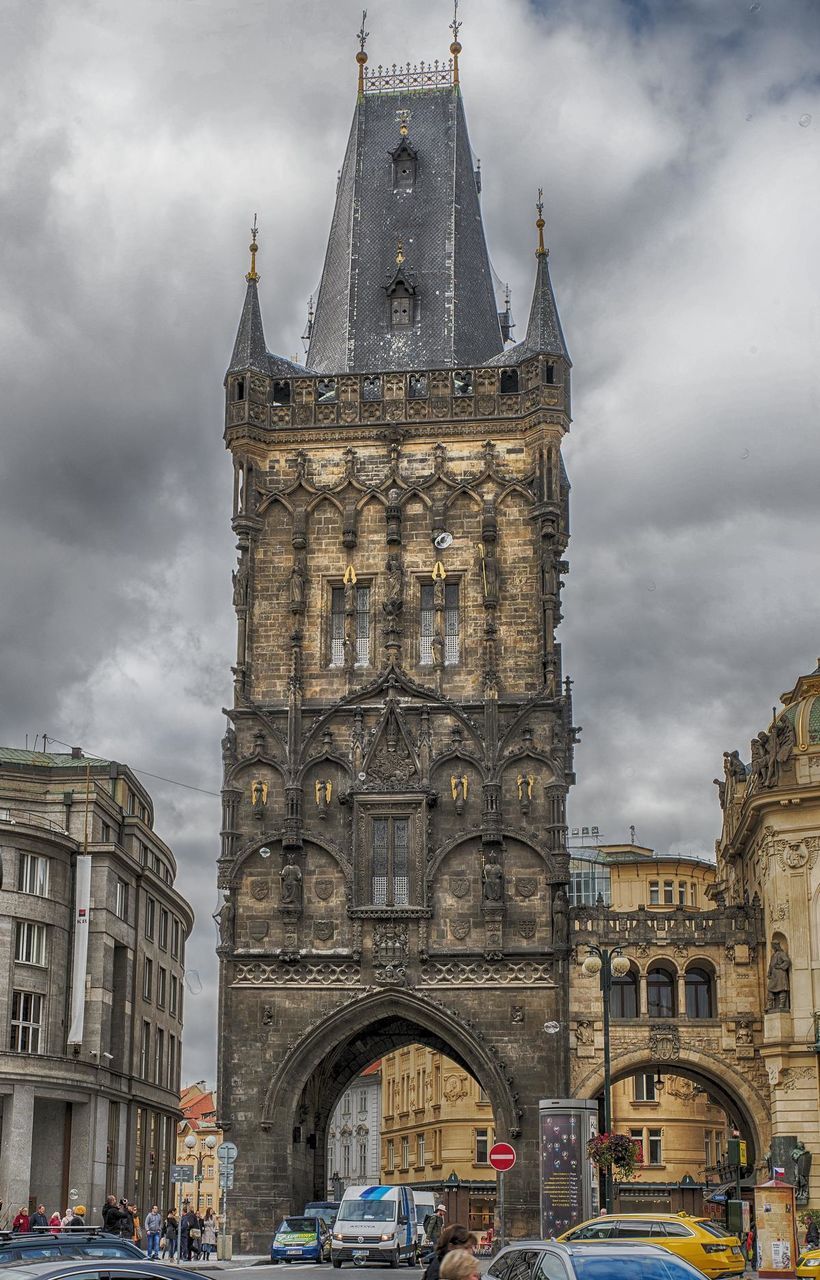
point(111, 1216)
point(454, 1237)
point(812, 1235)
point(125, 1226)
point(38, 1220)
point(170, 1232)
point(188, 1223)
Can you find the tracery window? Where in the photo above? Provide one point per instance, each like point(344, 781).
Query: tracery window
point(451, 621)
point(391, 862)
point(361, 626)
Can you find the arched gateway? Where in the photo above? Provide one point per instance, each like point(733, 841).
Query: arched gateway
point(393, 847)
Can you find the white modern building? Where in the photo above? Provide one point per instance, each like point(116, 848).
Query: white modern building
point(354, 1136)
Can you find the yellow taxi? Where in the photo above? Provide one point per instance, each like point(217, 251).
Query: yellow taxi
point(704, 1243)
point(809, 1263)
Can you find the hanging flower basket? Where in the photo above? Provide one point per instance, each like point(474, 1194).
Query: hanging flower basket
point(617, 1152)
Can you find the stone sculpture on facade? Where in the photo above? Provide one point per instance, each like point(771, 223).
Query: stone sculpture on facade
point(492, 877)
point(801, 1168)
point(291, 880)
point(777, 979)
point(225, 920)
point(560, 918)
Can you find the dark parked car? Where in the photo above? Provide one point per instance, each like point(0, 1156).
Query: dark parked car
point(68, 1242)
point(586, 1260)
point(97, 1269)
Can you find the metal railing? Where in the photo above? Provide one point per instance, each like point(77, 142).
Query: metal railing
point(28, 817)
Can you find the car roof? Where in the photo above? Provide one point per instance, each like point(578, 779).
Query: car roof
point(568, 1246)
point(67, 1267)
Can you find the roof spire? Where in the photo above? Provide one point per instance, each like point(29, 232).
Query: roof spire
point(361, 56)
point(254, 249)
point(540, 252)
point(455, 47)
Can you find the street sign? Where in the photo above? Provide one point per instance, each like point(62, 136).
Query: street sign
point(226, 1180)
point(182, 1172)
point(502, 1157)
point(227, 1152)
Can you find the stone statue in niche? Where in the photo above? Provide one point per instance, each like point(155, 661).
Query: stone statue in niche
point(291, 881)
point(394, 597)
point(492, 879)
point(225, 920)
point(560, 918)
point(489, 573)
point(267, 1016)
point(240, 585)
point(801, 1166)
point(228, 749)
point(437, 648)
point(259, 797)
point(524, 783)
point(297, 587)
point(323, 790)
point(778, 983)
point(459, 786)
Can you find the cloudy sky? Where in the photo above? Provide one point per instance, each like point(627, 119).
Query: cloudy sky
point(678, 143)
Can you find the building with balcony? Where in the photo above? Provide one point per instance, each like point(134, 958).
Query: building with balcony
point(92, 955)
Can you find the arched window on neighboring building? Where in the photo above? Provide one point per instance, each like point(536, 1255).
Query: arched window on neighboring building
point(700, 993)
point(623, 999)
point(660, 993)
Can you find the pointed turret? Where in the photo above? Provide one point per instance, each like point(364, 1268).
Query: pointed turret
point(545, 337)
point(249, 350)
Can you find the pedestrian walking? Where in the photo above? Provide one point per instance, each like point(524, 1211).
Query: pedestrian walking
point(153, 1228)
point(459, 1264)
point(110, 1216)
point(55, 1222)
point(188, 1223)
point(77, 1218)
point(125, 1227)
point(456, 1237)
point(38, 1220)
point(21, 1221)
point(812, 1235)
point(209, 1230)
point(170, 1234)
point(136, 1234)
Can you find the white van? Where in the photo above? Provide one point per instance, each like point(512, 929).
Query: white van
point(426, 1202)
point(375, 1224)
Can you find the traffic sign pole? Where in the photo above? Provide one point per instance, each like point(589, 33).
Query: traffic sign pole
point(502, 1158)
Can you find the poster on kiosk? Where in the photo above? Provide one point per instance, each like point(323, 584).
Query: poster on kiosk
point(569, 1180)
point(775, 1219)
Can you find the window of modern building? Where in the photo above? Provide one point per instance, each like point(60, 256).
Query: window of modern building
point(589, 882)
point(172, 998)
point(26, 1022)
point(655, 1146)
point(390, 1161)
point(145, 1050)
point(699, 989)
point(654, 893)
point(668, 893)
point(159, 1055)
point(429, 623)
point(644, 1087)
point(121, 899)
point(162, 986)
point(105, 832)
point(147, 978)
point(150, 917)
point(482, 1146)
point(163, 928)
point(391, 862)
point(172, 1062)
point(33, 875)
point(660, 994)
point(345, 1159)
point(30, 943)
point(623, 997)
point(405, 1153)
point(176, 934)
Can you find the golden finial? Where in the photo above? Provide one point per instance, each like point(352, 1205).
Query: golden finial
point(254, 248)
point(361, 56)
point(399, 253)
point(404, 121)
point(540, 252)
point(455, 47)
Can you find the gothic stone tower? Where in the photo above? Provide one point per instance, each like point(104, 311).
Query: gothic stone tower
point(393, 849)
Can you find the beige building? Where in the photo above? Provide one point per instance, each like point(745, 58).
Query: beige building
point(198, 1137)
point(437, 1131)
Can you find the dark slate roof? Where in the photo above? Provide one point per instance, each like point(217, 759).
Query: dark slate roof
point(249, 350)
point(439, 223)
point(544, 333)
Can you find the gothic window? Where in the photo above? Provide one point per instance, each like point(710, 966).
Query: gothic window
point(509, 382)
point(450, 622)
point(282, 392)
point(239, 389)
point(326, 390)
point(623, 999)
point(660, 994)
point(391, 862)
point(361, 626)
point(372, 388)
point(463, 382)
point(699, 994)
point(550, 375)
point(417, 386)
point(401, 307)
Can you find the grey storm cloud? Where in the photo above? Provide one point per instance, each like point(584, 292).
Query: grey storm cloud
point(677, 145)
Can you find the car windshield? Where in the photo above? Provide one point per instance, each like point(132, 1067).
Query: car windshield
point(298, 1224)
point(620, 1266)
point(367, 1211)
point(714, 1229)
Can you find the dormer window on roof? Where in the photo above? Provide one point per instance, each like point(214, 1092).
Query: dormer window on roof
point(405, 165)
point(401, 294)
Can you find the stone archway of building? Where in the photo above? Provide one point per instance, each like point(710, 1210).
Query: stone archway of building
point(738, 1096)
point(300, 1098)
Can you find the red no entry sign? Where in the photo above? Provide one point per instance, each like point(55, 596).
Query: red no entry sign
point(502, 1157)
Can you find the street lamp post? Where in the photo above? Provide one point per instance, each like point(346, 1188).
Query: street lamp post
point(606, 963)
point(190, 1143)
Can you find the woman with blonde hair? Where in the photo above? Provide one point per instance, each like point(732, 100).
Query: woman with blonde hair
point(456, 1238)
point(458, 1264)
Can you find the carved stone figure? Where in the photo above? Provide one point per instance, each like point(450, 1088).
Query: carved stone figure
point(437, 647)
point(489, 574)
point(560, 918)
point(394, 598)
point(240, 586)
point(524, 782)
point(297, 587)
point(229, 749)
point(291, 880)
point(760, 754)
point(225, 919)
point(801, 1164)
point(323, 790)
point(585, 1033)
point(778, 982)
point(459, 786)
point(492, 878)
point(267, 1016)
point(743, 1033)
point(517, 1013)
point(720, 783)
point(733, 766)
point(259, 797)
point(781, 741)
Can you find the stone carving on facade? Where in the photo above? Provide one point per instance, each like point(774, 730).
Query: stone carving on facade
point(390, 950)
point(793, 855)
point(460, 886)
point(526, 929)
point(560, 918)
point(453, 973)
point(517, 1013)
point(584, 1033)
point(297, 587)
point(459, 788)
point(260, 889)
point(664, 1044)
point(492, 880)
point(791, 1078)
point(228, 751)
point(526, 886)
point(259, 797)
point(323, 792)
point(258, 930)
point(267, 1015)
point(524, 784)
point(455, 1087)
point(239, 581)
point(460, 929)
point(778, 982)
point(290, 878)
point(320, 973)
point(393, 602)
point(801, 1168)
point(323, 930)
point(324, 888)
point(225, 918)
point(681, 1088)
point(744, 1036)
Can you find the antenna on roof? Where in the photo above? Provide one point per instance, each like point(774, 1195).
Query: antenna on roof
point(632, 835)
point(455, 47)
